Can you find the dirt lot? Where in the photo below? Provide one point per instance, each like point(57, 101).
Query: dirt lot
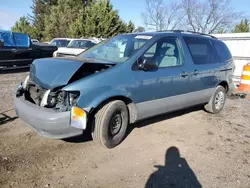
point(214, 151)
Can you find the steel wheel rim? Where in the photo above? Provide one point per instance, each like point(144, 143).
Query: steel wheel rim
point(115, 124)
point(219, 100)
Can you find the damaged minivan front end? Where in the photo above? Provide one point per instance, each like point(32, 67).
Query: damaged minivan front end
point(56, 99)
point(42, 102)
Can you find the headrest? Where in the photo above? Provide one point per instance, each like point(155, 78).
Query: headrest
point(171, 49)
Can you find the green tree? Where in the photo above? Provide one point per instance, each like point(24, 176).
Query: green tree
point(40, 8)
point(102, 20)
point(139, 29)
point(74, 18)
point(242, 27)
point(63, 19)
point(130, 27)
point(24, 26)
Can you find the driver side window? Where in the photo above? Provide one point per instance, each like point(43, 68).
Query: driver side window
point(165, 52)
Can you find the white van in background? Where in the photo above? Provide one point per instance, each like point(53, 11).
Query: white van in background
point(239, 45)
point(75, 47)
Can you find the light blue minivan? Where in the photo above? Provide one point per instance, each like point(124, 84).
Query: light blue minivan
point(123, 80)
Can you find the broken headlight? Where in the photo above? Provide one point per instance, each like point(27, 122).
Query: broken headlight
point(73, 97)
point(64, 100)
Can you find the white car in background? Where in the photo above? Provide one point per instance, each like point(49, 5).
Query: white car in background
point(34, 41)
point(60, 42)
point(75, 47)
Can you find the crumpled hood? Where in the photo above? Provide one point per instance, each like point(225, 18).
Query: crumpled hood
point(50, 73)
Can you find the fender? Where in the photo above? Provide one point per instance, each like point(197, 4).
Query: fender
point(112, 95)
point(107, 95)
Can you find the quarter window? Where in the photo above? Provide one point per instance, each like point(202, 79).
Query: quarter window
point(222, 51)
point(138, 44)
point(151, 52)
point(165, 53)
point(201, 50)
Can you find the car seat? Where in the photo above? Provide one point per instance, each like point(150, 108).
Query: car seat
point(160, 55)
point(169, 58)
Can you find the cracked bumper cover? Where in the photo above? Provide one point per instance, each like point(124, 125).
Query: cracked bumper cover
point(45, 122)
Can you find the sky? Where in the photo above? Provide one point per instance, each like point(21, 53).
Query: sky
point(11, 10)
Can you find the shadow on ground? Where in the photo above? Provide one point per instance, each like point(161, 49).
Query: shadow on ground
point(176, 173)
point(85, 137)
point(87, 134)
point(5, 118)
point(163, 117)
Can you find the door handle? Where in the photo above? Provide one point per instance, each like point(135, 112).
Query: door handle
point(195, 72)
point(184, 74)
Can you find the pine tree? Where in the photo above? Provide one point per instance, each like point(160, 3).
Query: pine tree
point(102, 20)
point(61, 21)
point(74, 18)
point(130, 27)
point(41, 8)
point(24, 26)
point(242, 27)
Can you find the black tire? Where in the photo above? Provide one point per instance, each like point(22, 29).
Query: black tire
point(213, 106)
point(110, 124)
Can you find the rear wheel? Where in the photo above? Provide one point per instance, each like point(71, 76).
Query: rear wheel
point(110, 124)
point(217, 102)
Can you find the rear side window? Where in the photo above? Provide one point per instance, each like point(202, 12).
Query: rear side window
point(21, 40)
point(222, 51)
point(201, 50)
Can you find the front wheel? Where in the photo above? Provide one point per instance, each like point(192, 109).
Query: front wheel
point(217, 102)
point(110, 124)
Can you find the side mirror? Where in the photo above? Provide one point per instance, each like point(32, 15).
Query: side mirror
point(1, 43)
point(146, 64)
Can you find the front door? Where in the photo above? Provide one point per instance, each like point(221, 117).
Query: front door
point(162, 90)
point(6, 49)
point(23, 51)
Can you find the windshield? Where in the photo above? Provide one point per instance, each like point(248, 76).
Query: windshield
point(117, 49)
point(60, 42)
point(81, 44)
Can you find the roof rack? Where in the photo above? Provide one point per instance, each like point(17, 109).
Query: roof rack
point(188, 31)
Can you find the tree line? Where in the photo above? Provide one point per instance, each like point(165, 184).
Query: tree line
point(72, 18)
point(97, 18)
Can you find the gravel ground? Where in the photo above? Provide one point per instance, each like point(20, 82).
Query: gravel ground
point(185, 149)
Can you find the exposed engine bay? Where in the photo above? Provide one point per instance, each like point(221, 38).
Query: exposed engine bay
point(56, 98)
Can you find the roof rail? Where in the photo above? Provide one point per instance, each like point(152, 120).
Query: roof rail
point(188, 31)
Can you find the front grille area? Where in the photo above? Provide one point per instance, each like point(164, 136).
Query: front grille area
point(35, 93)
